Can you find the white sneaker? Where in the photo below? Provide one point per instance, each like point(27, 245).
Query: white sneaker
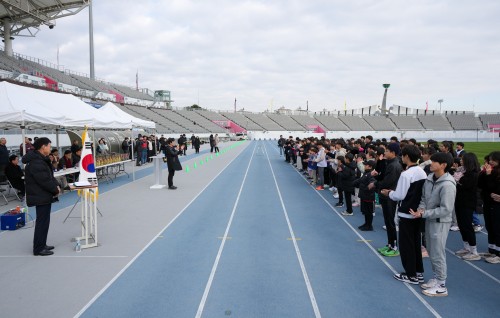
point(430, 283)
point(493, 260)
point(336, 195)
point(355, 204)
point(436, 291)
point(462, 252)
point(471, 257)
point(478, 228)
point(454, 228)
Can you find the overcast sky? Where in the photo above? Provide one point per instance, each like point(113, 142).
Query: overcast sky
point(269, 54)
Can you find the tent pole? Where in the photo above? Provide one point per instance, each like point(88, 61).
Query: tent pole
point(23, 132)
point(132, 151)
point(57, 140)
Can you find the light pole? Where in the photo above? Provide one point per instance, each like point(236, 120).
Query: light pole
point(440, 101)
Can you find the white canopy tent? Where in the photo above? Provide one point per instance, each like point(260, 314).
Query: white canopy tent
point(35, 108)
point(110, 110)
point(25, 107)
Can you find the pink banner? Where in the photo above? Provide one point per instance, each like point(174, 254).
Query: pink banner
point(227, 124)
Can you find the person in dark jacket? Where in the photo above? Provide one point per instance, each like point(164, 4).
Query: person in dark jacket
point(197, 144)
point(173, 163)
point(489, 183)
point(211, 139)
point(465, 204)
point(366, 196)
point(41, 190)
point(15, 174)
point(4, 154)
point(346, 176)
point(389, 181)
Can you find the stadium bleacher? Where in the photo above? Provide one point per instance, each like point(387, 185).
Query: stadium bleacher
point(331, 123)
point(406, 122)
point(264, 121)
point(35, 72)
point(380, 123)
point(306, 120)
point(356, 123)
point(435, 122)
point(487, 119)
point(242, 121)
point(208, 125)
point(287, 122)
point(464, 122)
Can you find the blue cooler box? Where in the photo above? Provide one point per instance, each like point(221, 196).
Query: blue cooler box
point(12, 222)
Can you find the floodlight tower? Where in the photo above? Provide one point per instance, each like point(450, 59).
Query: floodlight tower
point(440, 101)
point(384, 108)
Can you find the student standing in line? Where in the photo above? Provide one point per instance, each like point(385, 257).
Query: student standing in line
point(489, 183)
point(321, 164)
point(465, 204)
point(409, 192)
point(436, 206)
point(366, 196)
point(389, 181)
point(347, 175)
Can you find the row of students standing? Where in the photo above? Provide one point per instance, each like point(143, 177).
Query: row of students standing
point(412, 184)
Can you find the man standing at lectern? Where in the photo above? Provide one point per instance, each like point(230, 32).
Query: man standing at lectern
point(41, 190)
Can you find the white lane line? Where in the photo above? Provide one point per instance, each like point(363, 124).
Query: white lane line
point(422, 300)
point(151, 242)
point(296, 246)
point(474, 266)
point(223, 243)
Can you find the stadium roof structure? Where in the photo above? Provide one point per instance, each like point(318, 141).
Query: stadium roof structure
point(29, 15)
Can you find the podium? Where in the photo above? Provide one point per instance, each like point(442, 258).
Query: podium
point(88, 218)
point(158, 161)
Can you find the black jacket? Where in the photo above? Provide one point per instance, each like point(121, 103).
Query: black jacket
point(41, 186)
point(362, 183)
point(4, 155)
point(467, 191)
point(196, 143)
point(347, 176)
point(173, 162)
point(489, 184)
point(14, 174)
point(389, 180)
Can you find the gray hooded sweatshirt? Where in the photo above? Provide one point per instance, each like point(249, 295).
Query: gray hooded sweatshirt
point(438, 198)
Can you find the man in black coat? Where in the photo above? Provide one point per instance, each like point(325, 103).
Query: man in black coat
point(15, 174)
point(4, 154)
point(41, 190)
point(173, 162)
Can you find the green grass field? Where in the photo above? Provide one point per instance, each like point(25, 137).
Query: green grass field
point(481, 149)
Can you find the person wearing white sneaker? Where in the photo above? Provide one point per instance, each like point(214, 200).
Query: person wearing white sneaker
point(436, 206)
point(489, 183)
point(409, 193)
point(465, 204)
